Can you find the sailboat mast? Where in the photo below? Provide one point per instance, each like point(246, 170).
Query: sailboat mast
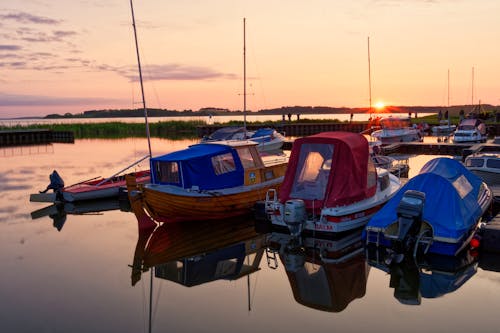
point(448, 88)
point(472, 89)
point(369, 79)
point(140, 78)
point(244, 76)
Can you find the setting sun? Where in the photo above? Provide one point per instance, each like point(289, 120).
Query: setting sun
point(379, 105)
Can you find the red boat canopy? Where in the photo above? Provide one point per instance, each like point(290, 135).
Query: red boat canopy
point(329, 169)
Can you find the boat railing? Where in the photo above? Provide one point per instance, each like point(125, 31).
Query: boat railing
point(122, 170)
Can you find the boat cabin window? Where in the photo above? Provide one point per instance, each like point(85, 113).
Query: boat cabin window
point(167, 172)
point(493, 163)
point(223, 163)
point(246, 158)
point(474, 162)
point(313, 171)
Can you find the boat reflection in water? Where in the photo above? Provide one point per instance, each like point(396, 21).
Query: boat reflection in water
point(431, 276)
point(59, 211)
point(324, 274)
point(196, 252)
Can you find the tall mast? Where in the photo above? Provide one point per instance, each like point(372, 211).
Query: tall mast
point(472, 89)
point(244, 76)
point(448, 88)
point(140, 78)
point(369, 79)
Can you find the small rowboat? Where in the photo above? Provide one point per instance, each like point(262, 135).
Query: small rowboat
point(90, 189)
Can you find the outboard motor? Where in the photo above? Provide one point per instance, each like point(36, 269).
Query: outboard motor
point(409, 211)
point(295, 215)
point(56, 184)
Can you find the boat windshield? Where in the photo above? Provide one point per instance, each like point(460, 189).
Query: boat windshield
point(313, 171)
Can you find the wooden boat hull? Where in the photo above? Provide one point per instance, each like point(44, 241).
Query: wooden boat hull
point(173, 207)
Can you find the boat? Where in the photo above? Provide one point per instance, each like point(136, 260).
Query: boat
point(331, 185)
point(195, 253)
point(393, 130)
point(398, 167)
point(209, 181)
point(324, 274)
point(91, 189)
point(429, 278)
point(486, 165)
point(470, 130)
point(437, 211)
point(443, 130)
point(268, 139)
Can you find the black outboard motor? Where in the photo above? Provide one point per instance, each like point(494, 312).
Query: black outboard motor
point(56, 184)
point(409, 211)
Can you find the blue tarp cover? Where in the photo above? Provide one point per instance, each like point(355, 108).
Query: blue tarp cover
point(263, 135)
point(451, 194)
point(196, 167)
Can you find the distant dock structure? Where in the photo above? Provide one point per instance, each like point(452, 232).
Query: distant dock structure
point(34, 137)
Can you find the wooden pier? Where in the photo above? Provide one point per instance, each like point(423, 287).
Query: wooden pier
point(33, 137)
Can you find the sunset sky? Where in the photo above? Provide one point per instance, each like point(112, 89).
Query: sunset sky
point(76, 55)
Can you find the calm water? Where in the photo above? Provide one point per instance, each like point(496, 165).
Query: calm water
point(78, 279)
point(209, 120)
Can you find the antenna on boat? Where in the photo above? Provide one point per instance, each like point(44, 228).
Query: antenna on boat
point(244, 76)
point(369, 79)
point(140, 78)
point(448, 88)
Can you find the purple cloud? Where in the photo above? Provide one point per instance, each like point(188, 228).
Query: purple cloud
point(10, 47)
point(34, 100)
point(29, 18)
point(172, 72)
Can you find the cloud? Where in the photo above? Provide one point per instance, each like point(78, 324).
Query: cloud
point(29, 18)
point(170, 72)
point(36, 100)
point(10, 47)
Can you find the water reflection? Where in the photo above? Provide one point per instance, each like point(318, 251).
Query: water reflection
point(430, 277)
point(324, 274)
point(59, 211)
point(197, 252)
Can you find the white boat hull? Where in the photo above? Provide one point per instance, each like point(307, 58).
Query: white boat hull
point(342, 218)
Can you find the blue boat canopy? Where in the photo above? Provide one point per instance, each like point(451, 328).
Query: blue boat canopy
point(202, 166)
point(451, 199)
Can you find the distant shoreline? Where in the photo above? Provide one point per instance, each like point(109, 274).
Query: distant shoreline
point(293, 110)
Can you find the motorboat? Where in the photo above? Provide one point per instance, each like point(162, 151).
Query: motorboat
point(438, 211)
point(443, 129)
point(268, 139)
point(486, 165)
point(470, 130)
point(209, 181)
point(324, 273)
point(393, 130)
point(331, 185)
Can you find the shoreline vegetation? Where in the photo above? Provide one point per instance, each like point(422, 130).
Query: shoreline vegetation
point(285, 110)
point(178, 129)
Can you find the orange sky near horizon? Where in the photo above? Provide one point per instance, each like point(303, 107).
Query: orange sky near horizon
point(58, 56)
